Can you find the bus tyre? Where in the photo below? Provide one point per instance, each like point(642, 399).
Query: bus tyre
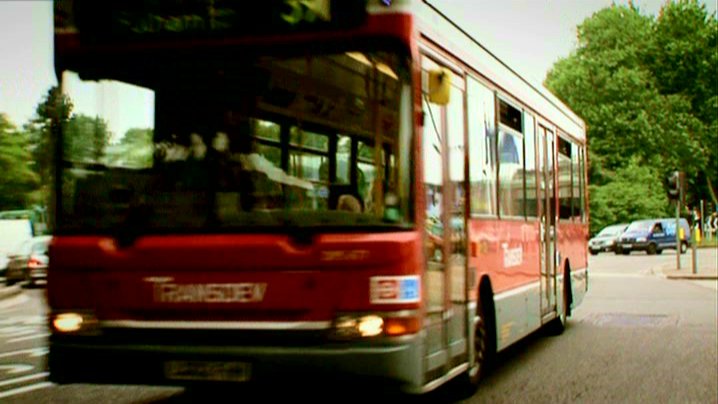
point(684, 247)
point(482, 351)
point(558, 324)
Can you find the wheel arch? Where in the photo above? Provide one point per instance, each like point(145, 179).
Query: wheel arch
point(486, 299)
point(567, 289)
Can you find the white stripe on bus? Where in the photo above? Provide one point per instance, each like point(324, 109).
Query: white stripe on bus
point(219, 325)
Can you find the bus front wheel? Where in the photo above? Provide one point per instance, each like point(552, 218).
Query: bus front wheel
point(484, 347)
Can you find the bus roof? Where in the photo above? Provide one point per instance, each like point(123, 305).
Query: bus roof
point(448, 34)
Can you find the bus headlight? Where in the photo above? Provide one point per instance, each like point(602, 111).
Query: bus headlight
point(349, 327)
point(370, 326)
point(373, 325)
point(74, 323)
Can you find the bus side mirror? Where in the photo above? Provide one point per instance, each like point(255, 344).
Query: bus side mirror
point(439, 86)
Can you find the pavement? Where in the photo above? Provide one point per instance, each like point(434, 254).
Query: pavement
point(706, 266)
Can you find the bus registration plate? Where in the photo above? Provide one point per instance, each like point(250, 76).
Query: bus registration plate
point(205, 370)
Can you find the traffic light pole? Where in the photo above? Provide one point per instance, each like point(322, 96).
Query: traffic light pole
point(675, 190)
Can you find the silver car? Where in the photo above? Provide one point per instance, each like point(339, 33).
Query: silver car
point(605, 240)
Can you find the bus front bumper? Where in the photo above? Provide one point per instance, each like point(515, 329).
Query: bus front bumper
point(396, 363)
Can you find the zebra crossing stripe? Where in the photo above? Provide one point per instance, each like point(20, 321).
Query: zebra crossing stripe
point(21, 379)
point(25, 389)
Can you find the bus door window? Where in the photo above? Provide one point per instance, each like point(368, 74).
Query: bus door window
point(482, 148)
point(564, 178)
point(511, 161)
point(547, 212)
point(433, 183)
point(457, 263)
point(530, 164)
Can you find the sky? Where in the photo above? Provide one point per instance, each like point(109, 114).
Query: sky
point(530, 35)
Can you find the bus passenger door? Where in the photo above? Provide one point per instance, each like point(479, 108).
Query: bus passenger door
point(547, 224)
point(444, 192)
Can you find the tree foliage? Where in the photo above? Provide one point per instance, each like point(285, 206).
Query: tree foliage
point(51, 114)
point(85, 138)
point(646, 87)
point(135, 149)
point(633, 194)
point(18, 180)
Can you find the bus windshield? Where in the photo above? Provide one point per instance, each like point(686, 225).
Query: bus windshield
point(243, 141)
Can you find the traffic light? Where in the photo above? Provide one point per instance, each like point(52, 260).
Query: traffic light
point(674, 185)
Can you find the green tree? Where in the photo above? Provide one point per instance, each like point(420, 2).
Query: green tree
point(133, 150)
point(633, 194)
point(638, 112)
point(18, 181)
point(52, 113)
point(684, 60)
point(85, 139)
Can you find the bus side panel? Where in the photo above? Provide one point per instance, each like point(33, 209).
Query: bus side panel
point(508, 252)
point(573, 249)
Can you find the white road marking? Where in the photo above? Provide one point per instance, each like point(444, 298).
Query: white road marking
point(35, 352)
point(16, 368)
point(43, 335)
point(24, 320)
point(13, 301)
point(21, 379)
point(25, 389)
point(16, 331)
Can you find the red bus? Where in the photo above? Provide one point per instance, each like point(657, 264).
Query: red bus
point(247, 191)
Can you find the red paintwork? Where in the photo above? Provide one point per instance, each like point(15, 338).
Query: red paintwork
point(488, 241)
point(573, 244)
point(304, 283)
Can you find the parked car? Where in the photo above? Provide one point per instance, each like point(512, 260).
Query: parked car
point(605, 240)
point(653, 236)
point(29, 262)
point(13, 232)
